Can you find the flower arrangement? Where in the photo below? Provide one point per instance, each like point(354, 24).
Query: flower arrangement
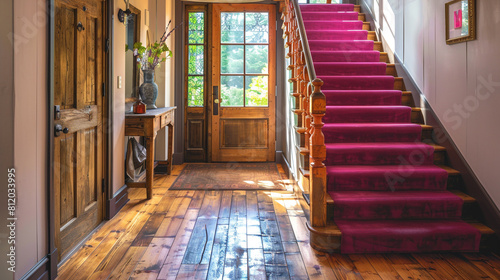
point(149, 57)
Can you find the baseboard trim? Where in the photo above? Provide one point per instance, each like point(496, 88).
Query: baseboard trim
point(490, 214)
point(178, 158)
point(116, 203)
point(39, 271)
point(278, 158)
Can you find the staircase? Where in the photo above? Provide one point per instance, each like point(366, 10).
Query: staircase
point(388, 188)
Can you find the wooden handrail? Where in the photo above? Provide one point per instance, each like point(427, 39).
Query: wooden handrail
point(310, 106)
point(303, 39)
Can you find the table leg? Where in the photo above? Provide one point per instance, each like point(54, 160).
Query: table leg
point(170, 147)
point(150, 165)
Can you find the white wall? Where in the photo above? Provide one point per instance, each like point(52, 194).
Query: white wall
point(160, 12)
point(30, 116)
point(461, 82)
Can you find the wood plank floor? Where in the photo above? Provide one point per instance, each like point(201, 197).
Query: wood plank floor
point(239, 235)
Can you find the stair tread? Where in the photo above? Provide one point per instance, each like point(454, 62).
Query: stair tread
point(372, 125)
point(380, 168)
point(466, 198)
point(377, 107)
point(402, 195)
point(451, 171)
point(332, 229)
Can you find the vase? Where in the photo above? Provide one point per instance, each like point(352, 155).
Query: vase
point(149, 89)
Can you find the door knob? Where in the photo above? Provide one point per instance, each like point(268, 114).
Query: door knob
point(216, 101)
point(58, 129)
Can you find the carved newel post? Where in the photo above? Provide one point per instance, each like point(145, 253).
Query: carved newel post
point(317, 156)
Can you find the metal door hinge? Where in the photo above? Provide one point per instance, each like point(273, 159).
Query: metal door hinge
point(103, 186)
point(103, 90)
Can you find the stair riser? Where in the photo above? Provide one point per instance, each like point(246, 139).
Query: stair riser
point(454, 182)
point(370, 56)
point(469, 211)
point(358, 83)
point(336, 158)
point(384, 57)
point(333, 25)
point(399, 210)
point(351, 69)
point(378, 157)
point(393, 182)
point(399, 84)
point(327, 8)
point(368, 116)
point(417, 117)
point(342, 46)
point(391, 71)
point(407, 100)
point(306, 16)
point(337, 35)
point(354, 99)
point(352, 136)
point(400, 236)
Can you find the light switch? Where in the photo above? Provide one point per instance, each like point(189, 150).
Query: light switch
point(119, 82)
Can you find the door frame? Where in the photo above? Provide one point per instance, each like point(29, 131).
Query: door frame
point(52, 256)
point(280, 101)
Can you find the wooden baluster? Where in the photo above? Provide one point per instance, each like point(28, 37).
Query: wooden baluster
point(306, 116)
point(317, 171)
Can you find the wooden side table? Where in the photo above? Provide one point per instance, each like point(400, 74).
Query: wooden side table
point(147, 125)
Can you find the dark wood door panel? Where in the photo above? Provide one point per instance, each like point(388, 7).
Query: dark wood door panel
point(78, 150)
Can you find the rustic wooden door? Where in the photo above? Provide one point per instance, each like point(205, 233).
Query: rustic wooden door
point(78, 143)
point(242, 90)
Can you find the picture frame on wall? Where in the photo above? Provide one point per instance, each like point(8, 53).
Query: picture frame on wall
point(460, 21)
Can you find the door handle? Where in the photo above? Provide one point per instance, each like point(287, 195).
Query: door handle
point(58, 128)
point(216, 100)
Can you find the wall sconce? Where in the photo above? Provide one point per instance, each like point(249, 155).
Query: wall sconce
point(122, 13)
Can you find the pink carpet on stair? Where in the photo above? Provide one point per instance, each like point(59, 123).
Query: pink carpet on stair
point(386, 178)
point(403, 236)
point(371, 132)
point(369, 205)
point(367, 114)
point(345, 56)
point(357, 82)
point(350, 68)
point(333, 24)
point(341, 45)
point(388, 196)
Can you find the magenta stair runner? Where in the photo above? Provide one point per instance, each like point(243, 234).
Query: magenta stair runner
point(388, 194)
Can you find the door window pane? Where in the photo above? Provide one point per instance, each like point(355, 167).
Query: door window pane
point(256, 60)
point(231, 59)
point(256, 90)
point(195, 91)
point(232, 27)
point(196, 28)
point(257, 28)
point(196, 61)
point(231, 90)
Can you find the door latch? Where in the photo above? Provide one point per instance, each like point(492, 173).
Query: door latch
point(216, 101)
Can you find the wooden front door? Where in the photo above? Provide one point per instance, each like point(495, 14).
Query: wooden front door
point(230, 82)
point(78, 145)
point(243, 82)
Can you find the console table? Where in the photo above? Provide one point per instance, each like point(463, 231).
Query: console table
point(147, 125)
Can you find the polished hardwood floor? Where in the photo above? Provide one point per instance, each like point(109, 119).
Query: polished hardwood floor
point(239, 235)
